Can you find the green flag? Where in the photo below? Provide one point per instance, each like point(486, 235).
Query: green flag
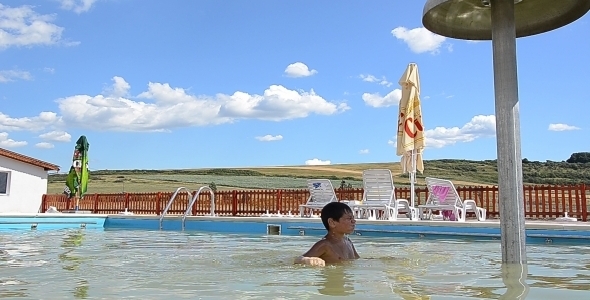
point(77, 179)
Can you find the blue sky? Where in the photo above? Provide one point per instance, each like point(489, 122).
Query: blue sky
point(198, 84)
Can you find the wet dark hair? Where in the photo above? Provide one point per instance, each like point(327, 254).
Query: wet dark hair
point(334, 210)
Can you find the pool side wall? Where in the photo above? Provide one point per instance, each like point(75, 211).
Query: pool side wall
point(536, 231)
point(45, 221)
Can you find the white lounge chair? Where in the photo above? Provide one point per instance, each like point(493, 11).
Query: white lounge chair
point(379, 196)
point(443, 196)
point(321, 192)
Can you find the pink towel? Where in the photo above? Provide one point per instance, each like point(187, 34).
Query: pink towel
point(440, 192)
point(449, 215)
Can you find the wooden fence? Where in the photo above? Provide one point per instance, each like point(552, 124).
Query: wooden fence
point(541, 201)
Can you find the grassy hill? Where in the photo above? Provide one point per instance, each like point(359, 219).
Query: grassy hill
point(461, 172)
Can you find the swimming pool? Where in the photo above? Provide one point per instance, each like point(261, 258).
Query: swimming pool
point(152, 264)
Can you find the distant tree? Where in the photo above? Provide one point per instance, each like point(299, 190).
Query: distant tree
point(343, 184)
point(580, 157)
point(525, 160)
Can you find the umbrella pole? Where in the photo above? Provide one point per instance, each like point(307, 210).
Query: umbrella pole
point(77, 198)
point(412, 178)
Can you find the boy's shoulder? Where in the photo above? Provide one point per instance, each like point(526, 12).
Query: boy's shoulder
point(322, 242)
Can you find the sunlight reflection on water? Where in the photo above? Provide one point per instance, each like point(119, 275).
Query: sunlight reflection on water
point(119, 264)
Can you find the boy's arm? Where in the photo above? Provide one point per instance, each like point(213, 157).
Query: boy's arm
point(312, 256)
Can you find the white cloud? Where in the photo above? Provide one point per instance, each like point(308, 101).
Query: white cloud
point(450, 47)
point(9, 143)
point(299, 69)
point(368, 78)
point(78, 6)
point(21, 26)
point(44, 145)
point(419, 39)
point(120, 88)
point(375, 100)
point(12, 75)
point(56, 136)
point(269, 138)
point(170, 107)
point(364, 151)
point(316, 162)
point(479, 127)
point(439, 137)
point(40, 122)
point(49, 70)
point(562, 127)
point(277, 103)
point(371, 78)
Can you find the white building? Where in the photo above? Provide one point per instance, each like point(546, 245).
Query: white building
point(23, 182)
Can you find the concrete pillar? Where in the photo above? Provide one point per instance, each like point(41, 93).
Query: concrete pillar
point(510, 191)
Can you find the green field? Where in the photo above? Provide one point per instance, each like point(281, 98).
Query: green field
point(461, 172)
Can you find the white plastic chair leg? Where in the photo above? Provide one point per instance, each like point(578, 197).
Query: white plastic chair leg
point(470, 205)
point(460, 214)
point(390, 213)
point(481, 214)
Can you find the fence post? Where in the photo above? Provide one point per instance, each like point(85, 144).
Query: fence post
point(279, 200)
point(158, 205)
point(43, 207)
point(96, 203)
point(584, 204)
point(127, 200)
point(194, 207)
point(234, 203)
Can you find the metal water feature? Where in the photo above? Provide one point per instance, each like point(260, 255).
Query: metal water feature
point(502, 21)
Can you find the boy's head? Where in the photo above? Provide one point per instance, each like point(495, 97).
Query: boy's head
point(334, 211)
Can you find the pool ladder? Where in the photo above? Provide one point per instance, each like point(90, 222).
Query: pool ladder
point(190, 204)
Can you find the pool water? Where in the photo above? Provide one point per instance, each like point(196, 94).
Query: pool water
point(135, 264)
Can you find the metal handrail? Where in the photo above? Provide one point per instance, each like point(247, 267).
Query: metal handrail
point(170, 202)
point(194, 199)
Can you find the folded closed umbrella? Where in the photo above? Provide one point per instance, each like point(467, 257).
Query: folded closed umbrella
point(410, 129)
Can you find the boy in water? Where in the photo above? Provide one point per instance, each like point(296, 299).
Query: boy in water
point(335, 247)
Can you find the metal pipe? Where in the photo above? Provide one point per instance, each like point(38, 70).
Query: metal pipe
point(194, 199)
point(171, 201)
point(510, 188)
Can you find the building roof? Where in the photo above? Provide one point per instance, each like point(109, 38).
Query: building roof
point(29, 160)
